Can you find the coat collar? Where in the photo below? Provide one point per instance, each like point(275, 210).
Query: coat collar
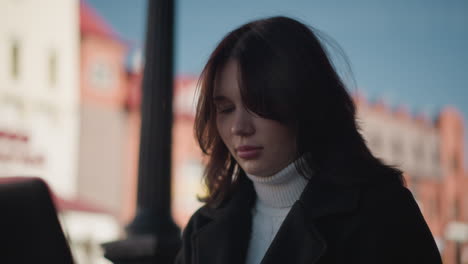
point(225, 238)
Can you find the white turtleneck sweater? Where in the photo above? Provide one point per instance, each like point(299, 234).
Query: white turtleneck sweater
point(275, 196)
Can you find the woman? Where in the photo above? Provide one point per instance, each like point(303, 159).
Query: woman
point(289, 177)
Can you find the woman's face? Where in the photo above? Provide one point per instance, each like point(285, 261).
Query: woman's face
point(260, 146)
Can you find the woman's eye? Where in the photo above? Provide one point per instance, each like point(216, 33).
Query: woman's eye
point(224, 110)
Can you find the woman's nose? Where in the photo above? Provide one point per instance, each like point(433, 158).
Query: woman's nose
point(242, 124)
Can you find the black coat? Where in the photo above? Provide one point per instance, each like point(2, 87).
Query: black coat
point(377, 222)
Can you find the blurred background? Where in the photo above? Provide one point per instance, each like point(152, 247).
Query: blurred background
point(70, 95)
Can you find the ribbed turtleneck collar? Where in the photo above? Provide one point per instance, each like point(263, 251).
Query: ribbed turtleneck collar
point(280, 190)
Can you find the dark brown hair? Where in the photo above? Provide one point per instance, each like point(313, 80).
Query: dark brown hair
point(285, 75)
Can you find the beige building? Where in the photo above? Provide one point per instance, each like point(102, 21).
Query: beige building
point(40, 114)
point(39, 98)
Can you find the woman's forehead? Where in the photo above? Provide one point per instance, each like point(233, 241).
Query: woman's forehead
point(226, 81)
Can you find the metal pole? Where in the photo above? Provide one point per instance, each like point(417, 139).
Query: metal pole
point(153, 235)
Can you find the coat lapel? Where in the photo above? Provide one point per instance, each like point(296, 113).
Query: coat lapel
point(299, 239)
point(225, 238)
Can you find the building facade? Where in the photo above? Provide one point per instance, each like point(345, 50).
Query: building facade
point(430, 152)
point(39, 98)
point(104, 121)
point(40, 113)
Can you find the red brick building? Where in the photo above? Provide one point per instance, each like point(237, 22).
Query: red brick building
point(430, 151)
point(103, 166)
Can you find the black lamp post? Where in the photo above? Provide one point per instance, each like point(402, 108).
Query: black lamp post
point(153, 237)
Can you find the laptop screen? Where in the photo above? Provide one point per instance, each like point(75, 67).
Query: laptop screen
point(29, 228)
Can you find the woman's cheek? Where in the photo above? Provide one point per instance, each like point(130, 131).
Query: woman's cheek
point(223, 128)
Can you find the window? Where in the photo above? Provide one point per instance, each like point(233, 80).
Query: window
point(397, 149)
point(15, 60)
point(52, 68)
point(455, 163)
point(434, 207)
point(418, 151)
point(102, 76)
point(436, 155)
point(455, 212)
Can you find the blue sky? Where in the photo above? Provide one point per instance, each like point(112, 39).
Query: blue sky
point(412, 53)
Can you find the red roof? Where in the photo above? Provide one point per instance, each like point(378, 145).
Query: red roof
point(93, 23)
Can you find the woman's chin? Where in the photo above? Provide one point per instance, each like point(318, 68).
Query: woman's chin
point(254, 169)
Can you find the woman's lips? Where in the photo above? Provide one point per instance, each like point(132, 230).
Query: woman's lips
point(248, 152)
